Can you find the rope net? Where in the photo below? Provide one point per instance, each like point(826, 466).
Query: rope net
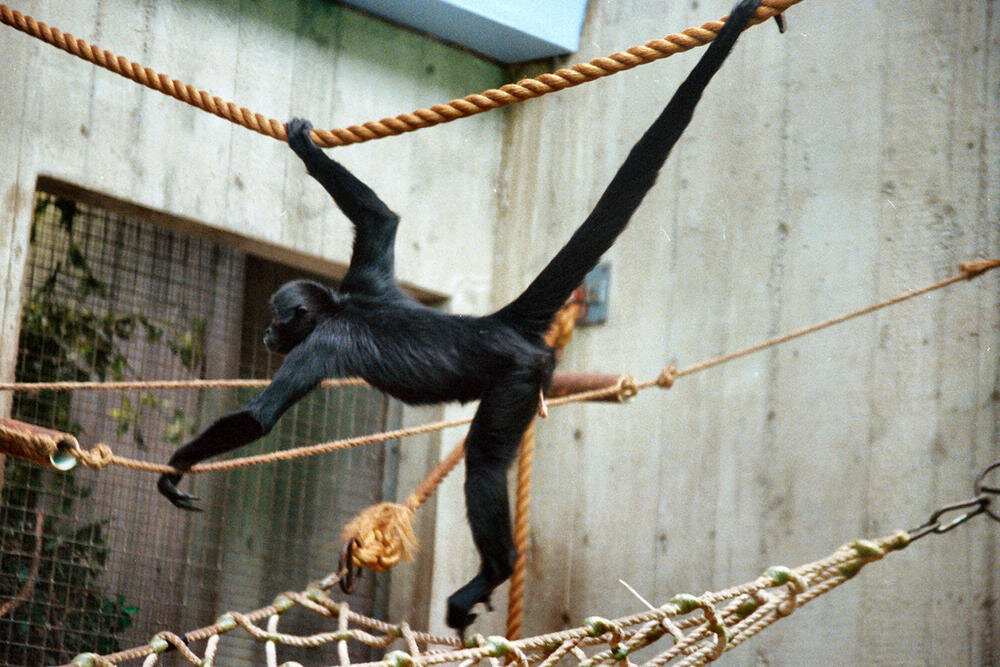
point(698, 629)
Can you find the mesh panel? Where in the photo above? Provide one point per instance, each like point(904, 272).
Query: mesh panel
point(109, 297)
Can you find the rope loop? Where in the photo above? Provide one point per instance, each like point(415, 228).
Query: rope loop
point(795, 586)
point(163, 640)
point(597, 626)
point(715, 625)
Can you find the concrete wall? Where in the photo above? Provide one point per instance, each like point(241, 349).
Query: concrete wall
point(854, 158)
point(842, 163)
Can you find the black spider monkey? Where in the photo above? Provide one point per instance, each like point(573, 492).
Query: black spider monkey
point(370, 328)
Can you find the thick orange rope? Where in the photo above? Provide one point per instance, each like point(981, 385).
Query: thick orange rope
point(436, 476)
point(522, 528)
point(383, 533)
point(488, 100)
point(558, 337)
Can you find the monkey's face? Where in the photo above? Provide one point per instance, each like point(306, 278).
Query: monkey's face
point(286, 330)
point(293, 317)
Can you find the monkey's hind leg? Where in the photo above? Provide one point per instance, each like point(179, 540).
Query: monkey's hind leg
point(503, 416)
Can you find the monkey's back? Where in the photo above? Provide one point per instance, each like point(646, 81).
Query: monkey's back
point(422, 356)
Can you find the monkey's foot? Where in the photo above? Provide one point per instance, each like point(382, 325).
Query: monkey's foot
point(459, 605)
point(459, 619)
point(167, 485)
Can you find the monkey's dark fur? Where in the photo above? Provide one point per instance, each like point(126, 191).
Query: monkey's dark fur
point(370, 328)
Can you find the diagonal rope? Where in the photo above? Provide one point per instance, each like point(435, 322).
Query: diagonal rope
point(488, 100)
point(969, 270)
point(101, 455)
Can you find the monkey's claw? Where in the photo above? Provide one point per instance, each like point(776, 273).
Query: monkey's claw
point(167, 485)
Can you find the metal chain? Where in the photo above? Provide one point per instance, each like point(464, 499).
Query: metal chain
point(980, 503)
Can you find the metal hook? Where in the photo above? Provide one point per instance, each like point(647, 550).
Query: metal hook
point(988, 493)
point(351, 571)
point(980, 504)
point(933, 525)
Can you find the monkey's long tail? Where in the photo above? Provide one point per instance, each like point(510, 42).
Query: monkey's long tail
point(533, 310)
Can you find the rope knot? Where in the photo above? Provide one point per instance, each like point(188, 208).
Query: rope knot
point(627, 388)
point(99, 456)
point(974, 267)
point(384, 534)
point(667, 377)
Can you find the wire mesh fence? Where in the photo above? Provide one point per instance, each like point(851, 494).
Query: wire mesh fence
point(93, 562)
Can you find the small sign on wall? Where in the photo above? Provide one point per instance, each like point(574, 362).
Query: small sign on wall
point(593, 294)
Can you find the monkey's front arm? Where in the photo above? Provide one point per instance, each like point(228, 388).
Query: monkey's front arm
point(302, 370)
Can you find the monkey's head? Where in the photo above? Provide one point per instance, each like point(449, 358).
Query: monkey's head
point(295, 309)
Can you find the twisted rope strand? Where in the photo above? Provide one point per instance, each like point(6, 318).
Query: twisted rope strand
point(969, 270)
point(488, 100)
point(522, 529)
point(435, 477)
